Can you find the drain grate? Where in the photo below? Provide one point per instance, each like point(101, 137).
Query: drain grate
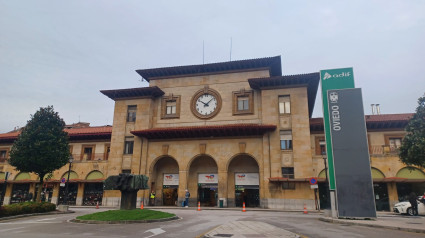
point(224, 235)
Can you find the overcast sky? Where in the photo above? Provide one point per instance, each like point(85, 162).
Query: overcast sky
point(62, 53)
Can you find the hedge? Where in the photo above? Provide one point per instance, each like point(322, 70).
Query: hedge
point(26, 208)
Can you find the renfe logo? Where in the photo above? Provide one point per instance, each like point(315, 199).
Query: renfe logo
point(210, 176)
point(241, 175)
point(168, 176)
point(343, 74)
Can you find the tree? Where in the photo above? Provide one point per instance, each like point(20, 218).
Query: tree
point(42, 146)
point(412, 150)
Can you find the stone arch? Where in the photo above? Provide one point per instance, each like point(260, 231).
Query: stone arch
point(243, 169)
point(189, 163)
point(376, 173)
point(94, 175)
point(410, 173)
point(203, 188)
point(241, 154)
point(322, 174)
point(161, 166)
point(72, 175)
point(22, 176)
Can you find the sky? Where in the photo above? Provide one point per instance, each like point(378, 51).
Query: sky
point(62, 53)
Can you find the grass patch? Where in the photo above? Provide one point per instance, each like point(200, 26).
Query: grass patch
point(126, 215)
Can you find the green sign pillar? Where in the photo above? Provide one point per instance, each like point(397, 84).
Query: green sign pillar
point(333, 79)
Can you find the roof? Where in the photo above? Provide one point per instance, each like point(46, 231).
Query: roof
point(145, 92)
point(373, 122)
point(96, 132)
point(311, 81)
point(273, 64)
point(205, 131)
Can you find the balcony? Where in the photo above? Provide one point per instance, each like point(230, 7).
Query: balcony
point(384, 150)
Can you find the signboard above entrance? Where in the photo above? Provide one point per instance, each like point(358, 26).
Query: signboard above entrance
point(171, 179)
point(247, 179)
point(207, 178)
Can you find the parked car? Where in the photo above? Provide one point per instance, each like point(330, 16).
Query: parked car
point(406, 208)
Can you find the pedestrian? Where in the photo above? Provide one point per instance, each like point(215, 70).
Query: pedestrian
point(152, 198)
point(423, 198)
point(186, 196)
point(414, 203)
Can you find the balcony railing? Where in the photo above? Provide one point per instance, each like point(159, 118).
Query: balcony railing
point(96, 157)
point(383, 150)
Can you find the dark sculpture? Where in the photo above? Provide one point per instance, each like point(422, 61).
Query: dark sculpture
point(128, 184)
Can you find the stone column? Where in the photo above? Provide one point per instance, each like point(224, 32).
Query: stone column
point(80, 194)
point(222, 188)
point(183, 174)
point(392, 194)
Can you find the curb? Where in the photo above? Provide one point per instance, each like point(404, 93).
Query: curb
point(124, 222)
point(339, 221)
point(33, 214)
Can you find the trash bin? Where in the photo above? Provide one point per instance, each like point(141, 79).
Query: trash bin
point(221, 202)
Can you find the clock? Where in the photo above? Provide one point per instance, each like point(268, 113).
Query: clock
point(206, 103)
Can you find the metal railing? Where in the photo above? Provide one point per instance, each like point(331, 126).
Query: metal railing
point(383, 150)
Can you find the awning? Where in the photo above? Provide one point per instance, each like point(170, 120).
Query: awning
point(205, 131)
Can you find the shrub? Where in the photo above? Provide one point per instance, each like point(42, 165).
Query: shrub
point(26, 208)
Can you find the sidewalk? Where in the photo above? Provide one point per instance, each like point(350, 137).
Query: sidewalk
point(387, 221)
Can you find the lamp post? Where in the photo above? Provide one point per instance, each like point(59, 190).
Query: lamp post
point(6, 175)
point(65, 199)
point(327, 183)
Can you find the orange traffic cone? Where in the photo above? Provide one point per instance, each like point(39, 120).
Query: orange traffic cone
point(141, 205)
point(97, 205)
point(199, 206)
point(243, 208)
point(305, 209)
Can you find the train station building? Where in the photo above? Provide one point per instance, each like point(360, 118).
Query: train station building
point(229, 132)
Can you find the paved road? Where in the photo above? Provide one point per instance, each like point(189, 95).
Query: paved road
point(192, 224)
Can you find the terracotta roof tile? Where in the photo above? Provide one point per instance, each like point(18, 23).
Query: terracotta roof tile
point(96, 132)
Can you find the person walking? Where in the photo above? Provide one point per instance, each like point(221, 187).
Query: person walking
point(186, 197)
point(152, 198)
point(414, 203)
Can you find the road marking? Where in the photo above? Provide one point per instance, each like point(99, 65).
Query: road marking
point(47, 219)
point(11, 229)
point(155, 232)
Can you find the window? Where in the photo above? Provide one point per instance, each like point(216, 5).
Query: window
point(3, 155)
point(128, 145)
point(170, 107)
point(395, 143)
point(131, 113)
point(288, 172)
point(286, 140)
point(322, 147)
point(284, 105)
point(87, 152)
point(243, 102)
point(107, 150)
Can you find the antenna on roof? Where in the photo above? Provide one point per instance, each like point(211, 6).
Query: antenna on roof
point(203, 52)
point(230, 48)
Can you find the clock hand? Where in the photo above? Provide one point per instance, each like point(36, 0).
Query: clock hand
point(202, 102)
point(207, 104)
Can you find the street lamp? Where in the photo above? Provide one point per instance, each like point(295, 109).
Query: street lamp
point(6, 175)
point(327, 183)
point(65, 199)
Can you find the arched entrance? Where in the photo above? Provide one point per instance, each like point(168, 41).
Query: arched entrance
point(72, 189)
point(380, 191)
point(203, 181)
point(165, 182)
point(93, 189)
point(243, 181)
point(413, 182)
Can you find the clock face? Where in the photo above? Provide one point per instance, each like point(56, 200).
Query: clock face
point(206, 104)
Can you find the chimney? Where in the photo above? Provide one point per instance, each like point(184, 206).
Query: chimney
point(373, 108)
point(378, 110)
